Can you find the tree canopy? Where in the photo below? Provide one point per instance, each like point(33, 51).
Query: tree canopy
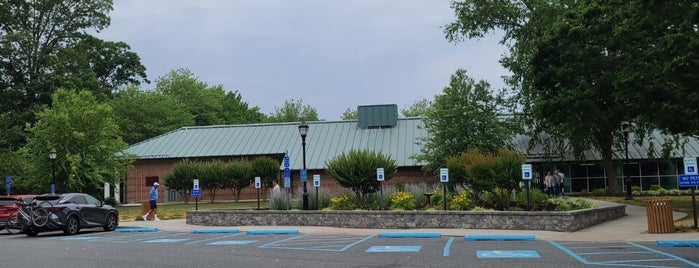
point(46, 45)
point(464, 117)
point(294, 111)
point(580, 68)
point(89, 149)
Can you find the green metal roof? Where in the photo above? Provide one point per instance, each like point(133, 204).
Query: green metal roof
point(324, 141)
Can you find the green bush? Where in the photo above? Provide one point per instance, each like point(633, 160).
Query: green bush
point(568, 204)
point(279, 200)
point(402, 201)
point(656, 187)
point(111, 201)
point(461, 201)
point(481, 209)
point(539, 199)
point(600, 192)
point(321, 202)
point(342, 202)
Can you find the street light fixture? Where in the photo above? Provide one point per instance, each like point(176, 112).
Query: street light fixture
point(627, 181)
point(303, 130)
point(52, 156)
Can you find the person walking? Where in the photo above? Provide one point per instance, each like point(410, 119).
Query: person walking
point(548, 183)
point(153, 203)
point(560, 183)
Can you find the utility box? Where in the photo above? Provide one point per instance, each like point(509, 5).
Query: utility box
point(377, 116)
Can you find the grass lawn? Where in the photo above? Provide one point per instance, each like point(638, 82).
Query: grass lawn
point(171, 211)
point(679, 204)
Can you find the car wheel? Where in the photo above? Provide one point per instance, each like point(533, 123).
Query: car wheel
point(72, 226)
point(111, 223)
point(31, 232)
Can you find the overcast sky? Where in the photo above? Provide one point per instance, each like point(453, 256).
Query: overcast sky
point(331, 54)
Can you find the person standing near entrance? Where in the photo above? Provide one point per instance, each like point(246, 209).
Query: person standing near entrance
point(559, 179)
point(548, 183)
point(153, 203)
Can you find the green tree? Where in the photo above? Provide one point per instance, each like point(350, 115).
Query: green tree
point(238, 176)
point(89, 149)
point(44, 46)
point(350, 114)
point(465, 117)
point(236, 111)
point(202, 101)
point(182, 177)
point(267, 169)
point(356, 170)
point(418, 108)
point(293, 111)
point(590, 65)
point(145, 114)
point(213, 177)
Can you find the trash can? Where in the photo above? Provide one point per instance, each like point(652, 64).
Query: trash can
point(659, 213)
point(145, 207)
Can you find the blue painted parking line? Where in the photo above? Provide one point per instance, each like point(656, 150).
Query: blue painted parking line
point(335, 243)
point(211, 239)
point(677, 243)
point(447, 248)
point(131, 230)
point(232, 242)
point(600, 251)
point(393, 249)
point(272, 232)
point(215, 231)
point(79, 238)
point(507, 254)
point(500, 237)
point(164, 240)
point(410, 235)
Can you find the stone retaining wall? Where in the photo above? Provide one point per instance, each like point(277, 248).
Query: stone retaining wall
point(568, 221)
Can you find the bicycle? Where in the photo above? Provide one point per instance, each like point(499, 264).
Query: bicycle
point(29, 215)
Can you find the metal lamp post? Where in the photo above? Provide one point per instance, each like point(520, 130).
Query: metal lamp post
point(52, 156)
point(303, 130)
point(627, 180)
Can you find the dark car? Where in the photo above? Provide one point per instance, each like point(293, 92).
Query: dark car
point(8, 204)
point(73, 211)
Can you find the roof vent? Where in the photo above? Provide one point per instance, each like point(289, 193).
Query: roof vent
point(377, 116)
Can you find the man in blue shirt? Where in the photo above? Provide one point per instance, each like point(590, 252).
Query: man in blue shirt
point(153, 202)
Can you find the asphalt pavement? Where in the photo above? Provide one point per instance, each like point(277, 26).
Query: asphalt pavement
point(632, 227)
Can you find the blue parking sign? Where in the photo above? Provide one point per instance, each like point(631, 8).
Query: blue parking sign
point(8, 180)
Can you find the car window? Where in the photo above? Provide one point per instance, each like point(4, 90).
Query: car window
point(79, 200)
point(92, 201)
point(6, 202)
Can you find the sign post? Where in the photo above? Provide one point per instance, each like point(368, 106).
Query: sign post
point(258, 184)
point(287, 179)
point(444, 178)
point(527, 176)
point(690, 168)
point(316, 184)
point(690, 181)
point(8, 184)
point(196, 192)
point(380, 178)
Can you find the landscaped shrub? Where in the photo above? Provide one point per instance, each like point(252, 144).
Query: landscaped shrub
point(461, 201)
point(402, 201)
point(538, 199)
point(568, 204)
point(601, 191)
point(418, 191)
point(321, 202)
point(482, 209)
point(279, 200)
point(342, 202)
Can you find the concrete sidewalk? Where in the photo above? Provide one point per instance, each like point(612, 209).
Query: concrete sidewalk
point(632, 227)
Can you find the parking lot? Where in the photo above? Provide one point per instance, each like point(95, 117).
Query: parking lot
point(289, 248)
